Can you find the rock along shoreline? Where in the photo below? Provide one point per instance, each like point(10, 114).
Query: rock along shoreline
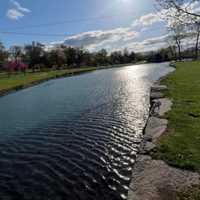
point(155, 179)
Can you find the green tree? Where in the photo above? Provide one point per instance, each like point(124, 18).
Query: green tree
point(132, 57)
point(70, 56)
point(3, 55)
point(57, 58)
point(116, 57)
point(34, 54)
point(102, 57)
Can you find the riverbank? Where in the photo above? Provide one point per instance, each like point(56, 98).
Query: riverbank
point(19, 81)
point(168, 164)
point(181, 146)
point(16, 82)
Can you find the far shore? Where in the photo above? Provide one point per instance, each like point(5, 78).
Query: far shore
point(15, 82)
point(18, 81)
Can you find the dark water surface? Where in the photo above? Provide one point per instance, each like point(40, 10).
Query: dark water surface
point(75, 138)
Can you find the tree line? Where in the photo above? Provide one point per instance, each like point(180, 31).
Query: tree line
point(37, 57)
point(183, 23)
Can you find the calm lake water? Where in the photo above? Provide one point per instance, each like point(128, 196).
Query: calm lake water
point(75, 138)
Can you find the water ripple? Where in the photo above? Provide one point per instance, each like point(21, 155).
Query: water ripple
point(77, 138)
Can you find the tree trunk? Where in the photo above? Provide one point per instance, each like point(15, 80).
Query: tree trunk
point(197, 45)
point(178, 43)
point(179, 52)
point(173, 52)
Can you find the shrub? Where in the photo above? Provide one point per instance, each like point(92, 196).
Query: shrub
point(16, 65)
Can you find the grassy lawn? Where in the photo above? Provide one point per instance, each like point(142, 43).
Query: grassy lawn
point(15, 81)
point(181, 146)
point(189, 194)
point(20, 80)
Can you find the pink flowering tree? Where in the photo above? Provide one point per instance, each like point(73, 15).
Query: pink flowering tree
point(13, 66)
point(22, 67)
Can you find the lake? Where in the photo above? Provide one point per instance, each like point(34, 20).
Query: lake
point(75, 138)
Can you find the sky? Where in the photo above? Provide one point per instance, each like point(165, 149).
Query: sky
point(92, 24)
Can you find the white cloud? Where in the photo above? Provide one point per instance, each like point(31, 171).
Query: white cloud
point(149, 44)
point(147, 20)
point(14, 14)
point(114, 39)
point(16, 11)
point(19, 7)
point(120, 38)
point(155, 43)
point(95, 40)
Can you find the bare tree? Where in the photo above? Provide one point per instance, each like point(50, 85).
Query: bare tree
point(197, 41)
point(172, 48)
point(181, 6)
point(176, 36)
point(3, 53)
point(183, 21)
point(195, 33)
point(16, 52)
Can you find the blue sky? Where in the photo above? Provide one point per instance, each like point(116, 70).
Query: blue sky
point(110, 24)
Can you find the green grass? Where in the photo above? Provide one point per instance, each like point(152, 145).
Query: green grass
point(17, 81)
point(192, 193)
point(181, 146)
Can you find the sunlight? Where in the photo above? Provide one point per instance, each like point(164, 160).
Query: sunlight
point(125, 1)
